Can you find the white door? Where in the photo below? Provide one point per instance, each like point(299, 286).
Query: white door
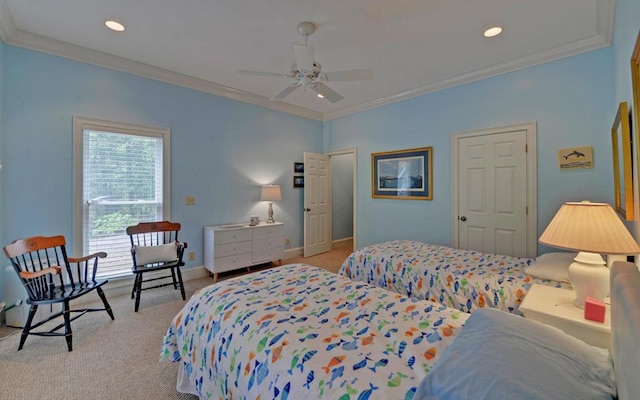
point(492, 193)
point(317, 204)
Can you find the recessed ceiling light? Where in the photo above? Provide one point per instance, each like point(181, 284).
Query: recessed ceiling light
point(114, 25)
point(494, 31)
point(320, 96)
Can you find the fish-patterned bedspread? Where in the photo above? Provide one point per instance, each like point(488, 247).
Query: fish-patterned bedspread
point(302, 332)
point(462, 279)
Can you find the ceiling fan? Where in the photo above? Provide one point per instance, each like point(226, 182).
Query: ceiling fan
point(307, 73)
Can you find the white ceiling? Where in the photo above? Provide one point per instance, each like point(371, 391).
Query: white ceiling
point(413, 46)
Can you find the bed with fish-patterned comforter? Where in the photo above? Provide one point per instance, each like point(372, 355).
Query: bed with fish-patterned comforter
point(461, 279)
point(302, 332)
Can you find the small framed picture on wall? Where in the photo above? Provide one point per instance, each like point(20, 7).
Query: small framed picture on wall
point(298, 167)
point(298, 181)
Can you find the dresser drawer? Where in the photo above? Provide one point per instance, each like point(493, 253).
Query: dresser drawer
point(229, 249)
point(274, 253)
point(232, 235)
point(229, 263)
point(264, 232)
point(264, 244)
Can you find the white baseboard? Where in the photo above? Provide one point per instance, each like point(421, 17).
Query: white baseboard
point(299, 251)
point(342, 242)
point(293, 253)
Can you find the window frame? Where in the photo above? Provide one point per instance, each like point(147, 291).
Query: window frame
point(80, 124)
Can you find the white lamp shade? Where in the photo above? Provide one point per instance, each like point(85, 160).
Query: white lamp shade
point(270, 193)
point(590, 227)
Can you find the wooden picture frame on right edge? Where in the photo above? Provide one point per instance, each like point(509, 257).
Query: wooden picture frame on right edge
point(635, 83)
point(622, 163)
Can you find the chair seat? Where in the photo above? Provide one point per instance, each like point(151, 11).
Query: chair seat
point(68, 292)
point(156, 266)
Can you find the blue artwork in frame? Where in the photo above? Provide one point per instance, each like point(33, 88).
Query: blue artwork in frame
point(402, 174)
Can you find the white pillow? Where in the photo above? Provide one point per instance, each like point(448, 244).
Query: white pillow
point(497, 355)
point(551, 266)
point(155, 254)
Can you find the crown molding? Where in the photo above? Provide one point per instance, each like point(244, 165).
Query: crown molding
point(89, 56)
point(582, 46)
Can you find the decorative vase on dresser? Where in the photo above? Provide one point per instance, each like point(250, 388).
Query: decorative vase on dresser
point(229, 247)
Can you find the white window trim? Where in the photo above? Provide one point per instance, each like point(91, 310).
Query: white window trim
point(82, 123)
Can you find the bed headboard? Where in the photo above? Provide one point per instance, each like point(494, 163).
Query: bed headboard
point(625, 328)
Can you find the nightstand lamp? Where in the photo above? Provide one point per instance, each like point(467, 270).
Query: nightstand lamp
point(591, 229)
point(270, 193)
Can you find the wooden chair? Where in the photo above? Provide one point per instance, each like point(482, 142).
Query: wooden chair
point(50, 277)
point(154, 247)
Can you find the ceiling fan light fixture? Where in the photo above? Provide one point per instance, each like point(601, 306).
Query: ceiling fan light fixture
point(307, 73)
point(306, 28)
point(493, 31)
point(114, 25)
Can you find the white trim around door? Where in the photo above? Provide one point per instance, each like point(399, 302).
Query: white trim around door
point(531, 184)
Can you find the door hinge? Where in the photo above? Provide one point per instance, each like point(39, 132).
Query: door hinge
point(526, 210)
point(526, 148)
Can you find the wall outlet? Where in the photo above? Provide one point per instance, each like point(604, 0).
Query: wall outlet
point(192, 255)
point(190, 201)
point(287, 240)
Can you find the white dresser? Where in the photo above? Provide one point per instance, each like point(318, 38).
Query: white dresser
point(229, 247)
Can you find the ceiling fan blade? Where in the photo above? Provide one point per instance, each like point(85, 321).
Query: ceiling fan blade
point(326, 92)
point(350, 75)
point(260, 73)
point(304, 57)
point(284, 93)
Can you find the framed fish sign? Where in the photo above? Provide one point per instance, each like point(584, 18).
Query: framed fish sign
point(575, 158)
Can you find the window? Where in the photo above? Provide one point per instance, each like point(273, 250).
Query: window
point(121, 177)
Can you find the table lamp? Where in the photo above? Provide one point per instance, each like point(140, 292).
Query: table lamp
point(270, 193)
point(591, 229)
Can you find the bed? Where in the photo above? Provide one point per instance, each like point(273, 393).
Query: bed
point(298, 331)
point(302, 332)
point(462, 279)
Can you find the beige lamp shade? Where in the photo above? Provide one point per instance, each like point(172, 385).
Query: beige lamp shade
point(589, 227)
point(270, 193)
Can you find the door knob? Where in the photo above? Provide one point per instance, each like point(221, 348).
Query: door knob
point(307, 209)
point(463, 218)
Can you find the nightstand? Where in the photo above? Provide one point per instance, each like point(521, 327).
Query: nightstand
point(554, 306)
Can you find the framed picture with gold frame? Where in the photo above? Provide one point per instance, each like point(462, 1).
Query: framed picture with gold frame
point(622, 163)
point(635, 83)
point(402, 174)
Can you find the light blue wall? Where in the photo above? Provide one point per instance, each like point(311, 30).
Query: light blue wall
point(342, 196)
point(569, 99)
point(624, 38)
point(221, 150)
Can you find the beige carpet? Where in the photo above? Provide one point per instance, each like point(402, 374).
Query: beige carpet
point(110, 359)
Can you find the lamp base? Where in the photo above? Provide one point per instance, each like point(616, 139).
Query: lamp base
point(589, 277)
point(270, 220)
